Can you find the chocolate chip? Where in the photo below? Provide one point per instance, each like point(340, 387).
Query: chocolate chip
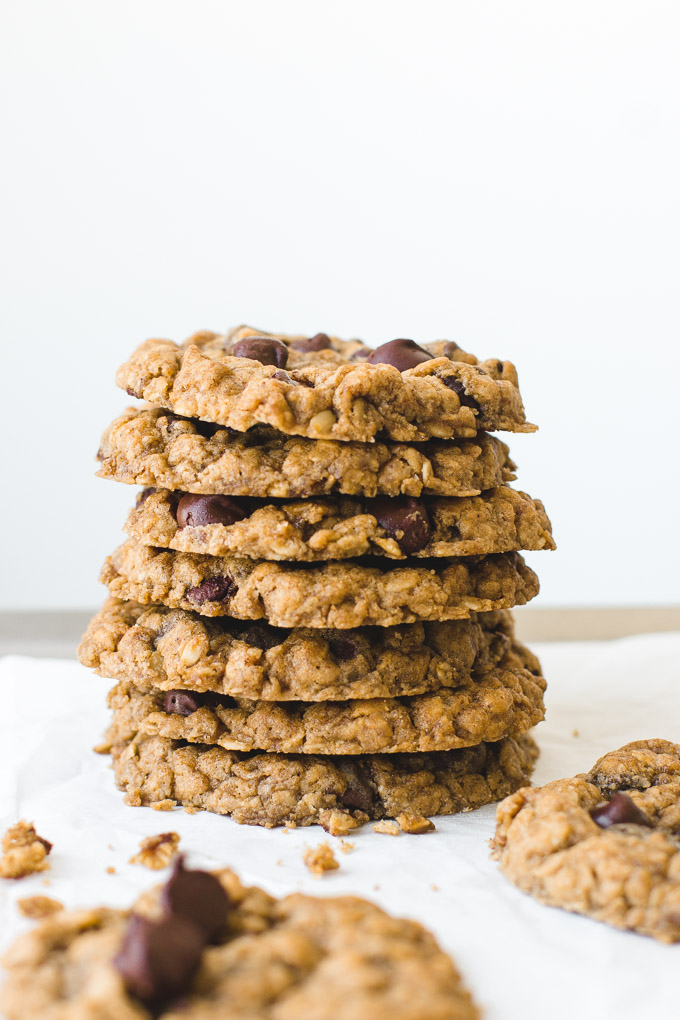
point(343, 647)
point(158, 959)
point(319, 342)
point(196, 511)
point(213, 589)
point(450, 348)
point(207, 429)
point(261, 635)
point(620, 810)
point(264, 349)
point(405, 519)
point(180, 703)
point(132, 393)
point(145, 493)
point(402, 354)
point(196, 895)
point(358, 796)
point(362, 354)
point(456, 385)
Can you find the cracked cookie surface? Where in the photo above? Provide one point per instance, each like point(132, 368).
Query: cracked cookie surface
point(157, 447)
point(153, 646)
point(604, 844)
point(279, 789)
point(334, 528)
point(296, 958)
point(325, 394)
point(340, 595)
point(506, 701)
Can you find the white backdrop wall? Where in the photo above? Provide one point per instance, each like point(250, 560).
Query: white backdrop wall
point(502, 174)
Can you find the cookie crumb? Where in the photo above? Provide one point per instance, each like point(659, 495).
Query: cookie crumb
point(24, 851)
point(346, 847)
point(414, 824)
point(164, 805)
point(576, 733)
point(110, 847)
point(191, 810)
point(156, 852)
point(320, 859)
point(337, 823)
point(110, 870)
point(376, 887)
point(435, 888)
point(37, 907)
point(387, 827)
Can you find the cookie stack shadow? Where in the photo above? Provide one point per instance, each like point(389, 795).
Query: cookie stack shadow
point(309, 620)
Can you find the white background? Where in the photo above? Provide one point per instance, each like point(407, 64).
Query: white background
point(503, 174)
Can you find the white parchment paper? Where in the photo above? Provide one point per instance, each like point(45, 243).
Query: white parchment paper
point(519, 958)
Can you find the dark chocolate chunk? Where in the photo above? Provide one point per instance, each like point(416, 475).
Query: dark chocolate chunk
point(158, 959)
point(621, 809)
point(265, 349)
point(358, 796)
point(261, 635)
point(180, 703)
point(343, 647)
point(196, 895)
point(145, 493)
point(319, 342)
point(213, 589)
point(450, 348)
point(402, 354)
point(196, 511)
point(456, 385)
point(404, 519)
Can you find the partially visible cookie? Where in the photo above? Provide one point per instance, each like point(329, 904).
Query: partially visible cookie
point(297, 789)
point(605, 844)
point(341, 527)
point(156, 447)
point(341, 595)
point(347, 392)
point(205, 947)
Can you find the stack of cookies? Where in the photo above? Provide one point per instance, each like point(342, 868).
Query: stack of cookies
point(309, 619)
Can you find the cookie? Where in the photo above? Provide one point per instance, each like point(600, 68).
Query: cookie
point(155, 647)
point(279, 789)
point(506, 701)
point(399, 391)
point(156, 447)
point(341, 527)
point(604, 844)
point(339, 595)
point(204, 946)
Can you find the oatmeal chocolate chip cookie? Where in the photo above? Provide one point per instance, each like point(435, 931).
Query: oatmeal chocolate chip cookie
point(506, 701)
point(396, 391)
point(279, 789)
point(204, 946)
point(152, 646)
point(339, 595)
point(605, 844)
point(340, 527)
point(156, 447)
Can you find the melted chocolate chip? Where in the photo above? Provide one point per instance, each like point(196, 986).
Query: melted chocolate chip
point(450, 348)
point(158, 959)
point(261, 635)
point(358, 796)
point(620, 810)
point(265, 349)
point(197, 896)
point(343, 647)
point(213, 589)
point(402, 354)
point(456, 385)
point(180, 703)
point(196, 511)
point(404, 519)
point(319, 342)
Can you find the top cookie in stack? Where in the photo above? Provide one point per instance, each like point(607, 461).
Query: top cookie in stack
point(350, 499)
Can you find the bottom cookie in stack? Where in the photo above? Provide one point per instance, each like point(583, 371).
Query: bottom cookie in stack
point(424, 718)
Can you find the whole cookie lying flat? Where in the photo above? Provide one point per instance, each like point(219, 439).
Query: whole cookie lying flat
point(156, 447)
point(506, 701)
point(341, 527)
point(348, 392)
point(204, 946)
point(155, 647)
point(336, 792)
point(341, 595)
point(603, 844)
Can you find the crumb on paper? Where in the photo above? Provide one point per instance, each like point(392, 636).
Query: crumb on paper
point(285, 830)
point(576, 733)
point(414, 824)
point(110, 870)
point(337, 823)
point(191, 810)
point(376, 886)
point(156, 852)
point(320, 859)
point(435, 888)
point(279, 863)
point(24, 851)
point(46, 881)
point(37, 907)
point(346, 847)
point(164, 805)
point(387, 827)
point(110, 847)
